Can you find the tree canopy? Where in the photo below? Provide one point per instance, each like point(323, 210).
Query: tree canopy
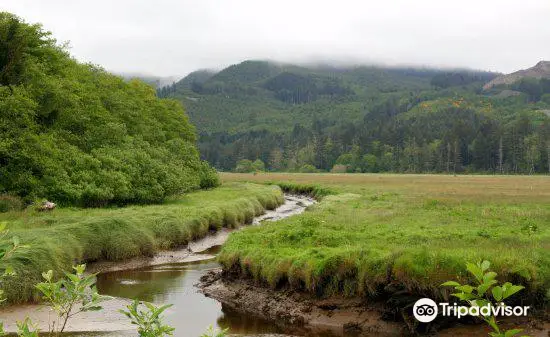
point(76, 134)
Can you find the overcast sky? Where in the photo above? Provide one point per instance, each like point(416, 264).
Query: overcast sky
point(169, 37)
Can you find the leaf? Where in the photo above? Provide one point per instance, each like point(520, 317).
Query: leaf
point(480, 302)
point(511, 290)
point(512, 332)
point(475, 270)
point(485, 265)
point(48, 275)
point(497, 293)
point(489, 276)
point(482, 288)
point(465, 288)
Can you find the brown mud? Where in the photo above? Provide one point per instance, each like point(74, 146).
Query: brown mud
point(306, 315)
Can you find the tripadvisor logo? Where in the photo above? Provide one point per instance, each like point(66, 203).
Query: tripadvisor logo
point(425, 310)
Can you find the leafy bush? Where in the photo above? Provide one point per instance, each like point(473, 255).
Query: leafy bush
point(208, 176)
point(69, 296)
point(75, 134)
point(258, 165)
point(244, 166)
point(308, 168)
point(485, 292)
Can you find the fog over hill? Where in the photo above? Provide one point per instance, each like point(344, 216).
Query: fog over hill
point(366, 118)
point(177, 37)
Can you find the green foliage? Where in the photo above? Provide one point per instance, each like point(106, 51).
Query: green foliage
point(534, 88)
point(69, 296)
point(308, 168)
point(258, 165)
point(58, 239)
point(460, 78)
point(484, 292)
point(246, 166)
point(209, 177)
point(211, 332)
point(376, 230)
point(27, 329)
point(8, 246)
point(149, 321)
point(370, 119)
point(75, 134)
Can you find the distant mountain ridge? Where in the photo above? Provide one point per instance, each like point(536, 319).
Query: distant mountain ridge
point(359, 118)
point(540, 70)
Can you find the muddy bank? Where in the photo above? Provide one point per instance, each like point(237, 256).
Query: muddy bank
point(304, 314)
point(300, 313)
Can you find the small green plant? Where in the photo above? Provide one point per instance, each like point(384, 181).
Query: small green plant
point(149, 321)
point(69, 296)
point(27, 329)
point(486, 292)
point(211, 332)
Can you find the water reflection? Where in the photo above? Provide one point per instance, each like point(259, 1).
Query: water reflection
point(192, 312)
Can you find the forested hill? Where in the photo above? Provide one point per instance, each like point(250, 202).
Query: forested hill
point(75, 134)
point(367, 119)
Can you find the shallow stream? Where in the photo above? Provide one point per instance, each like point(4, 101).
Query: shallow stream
point(192, 312)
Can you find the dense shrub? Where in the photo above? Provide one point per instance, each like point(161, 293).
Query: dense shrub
point(75, 134)
point(208, 176)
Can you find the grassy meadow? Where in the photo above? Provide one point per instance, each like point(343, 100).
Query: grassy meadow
point(376, 234)
point(67, 236)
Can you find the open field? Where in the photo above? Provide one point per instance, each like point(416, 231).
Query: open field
point(379, 234)
point(67, 236)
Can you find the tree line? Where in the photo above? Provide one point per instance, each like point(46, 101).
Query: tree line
point(456, 138)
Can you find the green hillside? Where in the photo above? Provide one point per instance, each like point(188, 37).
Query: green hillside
point(367, 119)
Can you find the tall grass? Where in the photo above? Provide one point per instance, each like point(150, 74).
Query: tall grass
point(65, 237)
point(385, 234)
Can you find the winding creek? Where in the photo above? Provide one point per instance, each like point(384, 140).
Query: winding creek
point(174, 283)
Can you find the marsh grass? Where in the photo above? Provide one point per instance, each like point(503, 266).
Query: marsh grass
point(64, 237)
point(407, 233)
